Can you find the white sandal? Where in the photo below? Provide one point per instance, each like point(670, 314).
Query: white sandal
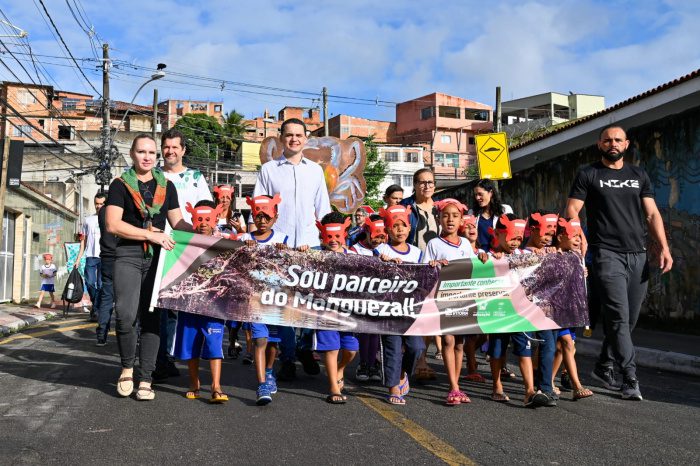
point(145, 393)
point(125, 386)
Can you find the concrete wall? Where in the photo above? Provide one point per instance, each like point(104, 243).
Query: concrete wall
point(669, 150)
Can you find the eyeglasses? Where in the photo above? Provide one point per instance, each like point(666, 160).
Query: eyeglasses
point(426, 183)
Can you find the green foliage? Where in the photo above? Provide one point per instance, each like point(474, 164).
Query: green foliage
point(204, 135)
point(375, 172)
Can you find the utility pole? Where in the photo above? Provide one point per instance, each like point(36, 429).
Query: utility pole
point(497, 120)
point(103, 174)
point(155, 114)
point(325, 111)
point(3, 180)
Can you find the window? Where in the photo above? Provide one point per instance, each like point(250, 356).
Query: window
point(472, 141)
point(446, 160)
point(449, 112)
point(407, 180)
point(476, 114)
point(392, 156)
point(41, 123)
point(445, 139)
point(66, 132)
point(198, 107)
point(427, 113)
point(411, 157)
point(26, 98)
point(70, 104)
point(21, 130)
point(217, 108)
point(396, 179)
point(179, 105)
point(344, 129)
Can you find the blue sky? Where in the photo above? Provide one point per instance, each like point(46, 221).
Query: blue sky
point(391, 50)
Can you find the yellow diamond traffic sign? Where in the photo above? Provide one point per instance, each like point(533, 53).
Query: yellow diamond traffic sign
point(492, 155)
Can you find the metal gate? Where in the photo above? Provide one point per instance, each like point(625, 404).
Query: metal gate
point(7, 256)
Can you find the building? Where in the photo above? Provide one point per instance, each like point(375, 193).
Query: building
point(173, 110)
point(345, 126)
point(444, 126)
point(528, 115)
point(402, 162)
point(259, 128)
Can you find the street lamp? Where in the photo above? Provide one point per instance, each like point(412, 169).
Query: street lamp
point(265, 122)
point(155, 76)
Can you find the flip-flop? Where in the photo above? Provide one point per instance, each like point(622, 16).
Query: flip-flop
point(405, 387)
point(582, 393)
point(395, 400)
point(218, 397)
point(336, 399)
point(452, 398)
point(463, 397)
point(192, 394)
point(475, 377)
point(128, 389)
point(500, 397)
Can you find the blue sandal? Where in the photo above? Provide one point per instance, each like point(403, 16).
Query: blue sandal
point(395, 400)
point(405, 387)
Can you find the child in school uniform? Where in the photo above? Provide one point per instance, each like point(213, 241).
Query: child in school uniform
point(333, 232)
point(508, 236)
point(265, 337)
point(450, 246)
point(373, 235)
point(197, 336)
point(568, 238)
point(48, 280)
point(400, 353)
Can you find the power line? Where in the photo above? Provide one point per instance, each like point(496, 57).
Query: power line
point(66, 47)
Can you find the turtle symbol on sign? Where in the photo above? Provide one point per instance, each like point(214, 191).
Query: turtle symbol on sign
point(491, 149)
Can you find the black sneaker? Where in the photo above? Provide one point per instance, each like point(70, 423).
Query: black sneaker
point(248, 359)
point(630, 389)
point(565, 381)
point(362, 373)
point(375, 372)
point(539, 399)
point(310, 365)
point(606, 376)
point(287, 372)
point(160, 374)
point(551, 400)
point(172, 369)
point(101, 342)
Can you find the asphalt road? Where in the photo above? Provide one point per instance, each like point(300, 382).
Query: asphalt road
point(59, 406)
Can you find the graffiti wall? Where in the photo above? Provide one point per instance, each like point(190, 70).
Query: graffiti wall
point(669, 150)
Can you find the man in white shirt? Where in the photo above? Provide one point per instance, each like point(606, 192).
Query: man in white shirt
point(301, 184)
point(191, 187)
point(90, 246)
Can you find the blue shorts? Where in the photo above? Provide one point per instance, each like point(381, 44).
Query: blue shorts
point(271, 332)
point(49, 288)
point(198, 337)
point(498, 342)
point(331, 340)
point(567, 331)
point(233, 324)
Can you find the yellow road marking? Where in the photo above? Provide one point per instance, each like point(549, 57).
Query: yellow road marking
point(26, 336)
point(423, 437)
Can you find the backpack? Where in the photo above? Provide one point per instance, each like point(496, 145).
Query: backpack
point(73, 291)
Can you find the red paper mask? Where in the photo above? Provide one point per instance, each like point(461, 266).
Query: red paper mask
point(333, 231)
point(224, 190)
point(396, 213)
point(369, 210)
point(467, 220)
point(449, 201)
point(512, 228)
point(374, 228)
point(547, 223)
point(263, 204)
point(203, 215)
point(48, 256)
point(571, 227)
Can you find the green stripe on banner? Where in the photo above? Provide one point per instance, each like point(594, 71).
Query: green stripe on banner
point(182, 240)
point(496, 315)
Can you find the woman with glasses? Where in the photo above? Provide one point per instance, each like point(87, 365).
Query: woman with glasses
point(138, 205)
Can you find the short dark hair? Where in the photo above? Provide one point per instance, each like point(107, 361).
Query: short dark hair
point(173, 133)
point(532, 222)
point(101, 195)
point(500, 224)
point(333, 217)
point(292, 121)
point(206, 203)
point(600, 134)
point(138, 138)
point(375, 217)
point(394, 188)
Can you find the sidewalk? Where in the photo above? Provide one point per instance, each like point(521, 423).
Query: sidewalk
point(14, 317)
point(665, 351)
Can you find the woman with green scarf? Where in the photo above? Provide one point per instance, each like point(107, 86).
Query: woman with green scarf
point(138, 205)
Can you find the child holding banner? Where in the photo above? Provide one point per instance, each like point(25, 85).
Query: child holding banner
point(450, 246)
point(333, 228)
point(568, 238)
point(264, 210)
point(399, 353)
point(199, 336)
point(372, 236)
point(508, 236)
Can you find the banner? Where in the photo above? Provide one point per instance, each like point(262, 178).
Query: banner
point(322, 290)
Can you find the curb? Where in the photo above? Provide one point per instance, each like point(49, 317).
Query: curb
point(25, 321)
point(647, 357)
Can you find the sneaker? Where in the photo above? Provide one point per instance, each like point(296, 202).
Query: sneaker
point(630, 389)
point(551, 399)
point(308, 362)
point(172, 369)
point(362, 373)
point(234, 350)
point(606, 376)
point(263, 395)
point(287, 372)
point(375, 373)
point(160, 374)
point(537, 399)
point(565, 381)
point(247, 359)
point(101, 342)
point(271, 382)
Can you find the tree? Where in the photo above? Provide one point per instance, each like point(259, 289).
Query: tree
point(204, 135)
point(234, 131)
point(375, 172)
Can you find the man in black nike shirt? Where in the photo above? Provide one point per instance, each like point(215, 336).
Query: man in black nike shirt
point(620, 206)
